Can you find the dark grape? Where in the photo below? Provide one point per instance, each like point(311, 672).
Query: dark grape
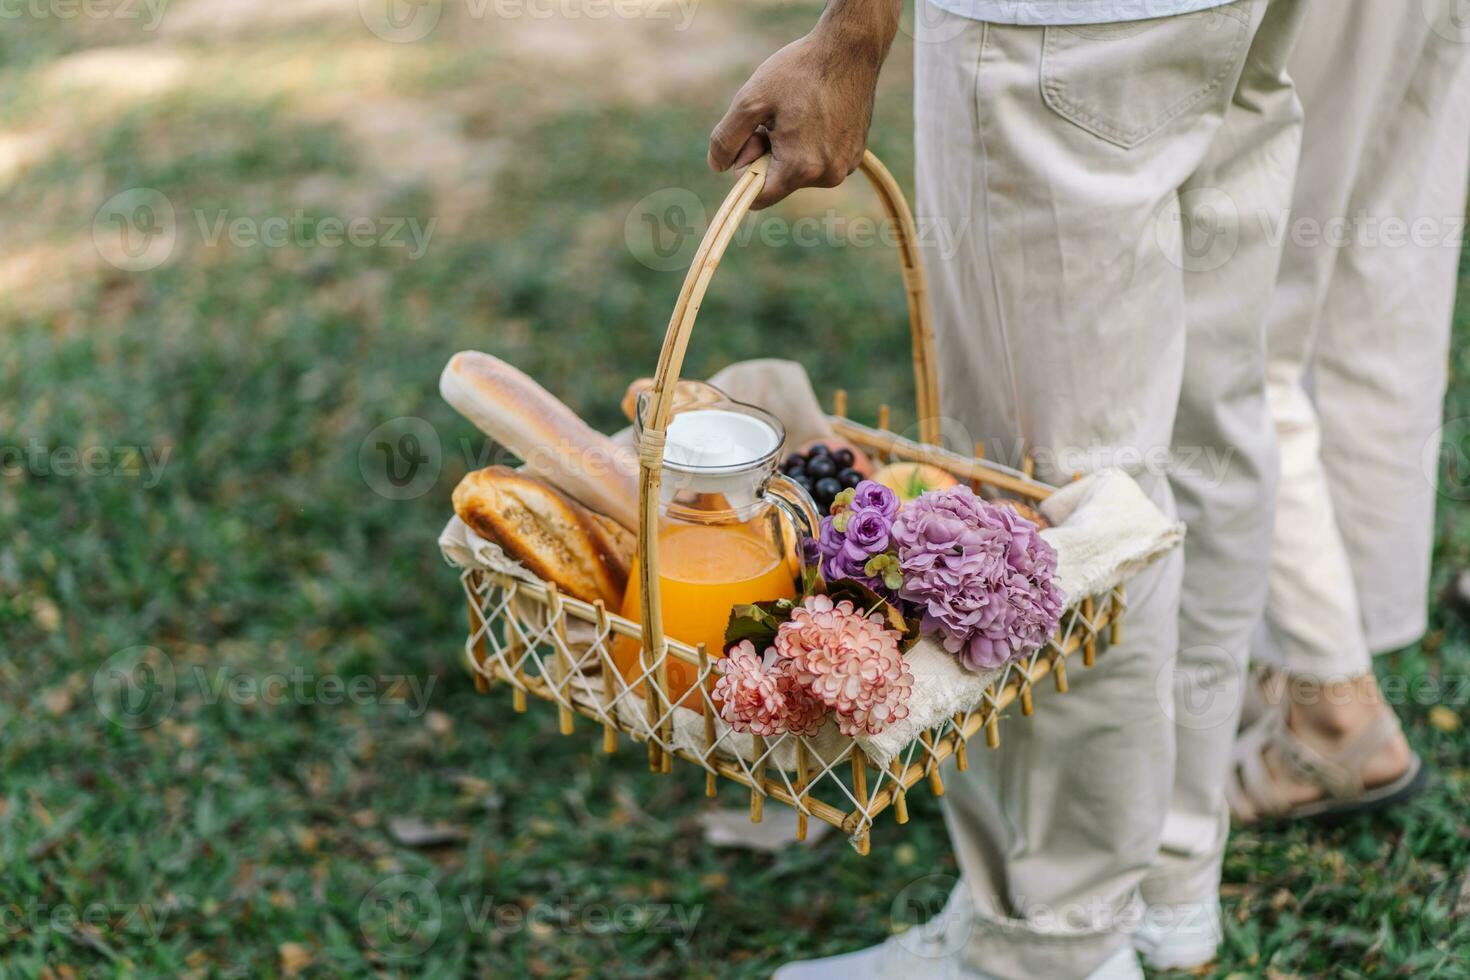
point(827, 488)
point(795, 463)
point(843, 458)
point(849, 477)
point(819, 467)
point(805, 481)
point(820, 449)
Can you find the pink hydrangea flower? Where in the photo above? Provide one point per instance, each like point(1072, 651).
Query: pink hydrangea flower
point(849, 662)
point(981, 576)
point(760, 695)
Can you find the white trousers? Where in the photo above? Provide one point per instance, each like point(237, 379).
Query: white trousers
point(1359, 329)
point(1102, 302)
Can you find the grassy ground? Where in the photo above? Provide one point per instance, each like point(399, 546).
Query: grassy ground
point(220, 402)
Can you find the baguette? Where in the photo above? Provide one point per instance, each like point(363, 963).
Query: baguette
point(557, 539)
point(556, 445)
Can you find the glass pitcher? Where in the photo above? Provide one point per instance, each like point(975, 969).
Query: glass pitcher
point(722, 540)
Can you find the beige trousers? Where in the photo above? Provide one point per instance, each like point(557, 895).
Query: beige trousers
point(1359, 329)
point(1104, 308)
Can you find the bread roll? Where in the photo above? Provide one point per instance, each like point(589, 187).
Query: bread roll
point(556, 445)
point(556, 538)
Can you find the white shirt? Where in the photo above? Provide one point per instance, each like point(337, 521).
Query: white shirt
point(1037, 13)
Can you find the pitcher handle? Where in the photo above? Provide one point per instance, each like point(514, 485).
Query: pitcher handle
point(793, 500)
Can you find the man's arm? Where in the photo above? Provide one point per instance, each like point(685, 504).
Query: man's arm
point(810, 103)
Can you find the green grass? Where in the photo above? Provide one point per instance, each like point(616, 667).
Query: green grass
point(207, 842)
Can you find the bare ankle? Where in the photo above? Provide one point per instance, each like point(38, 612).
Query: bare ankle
point(1335, 711)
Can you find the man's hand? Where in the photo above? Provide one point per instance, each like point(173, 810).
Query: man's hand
point(810, 103)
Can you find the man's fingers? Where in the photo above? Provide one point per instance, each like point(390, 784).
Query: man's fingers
point(781, 180)
point(757, 146)
point(730, 137)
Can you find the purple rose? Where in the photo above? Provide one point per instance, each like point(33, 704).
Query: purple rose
point(867, 530)
point(845, 554)
point(829, 542)
point(870, 495)
point(980, 576)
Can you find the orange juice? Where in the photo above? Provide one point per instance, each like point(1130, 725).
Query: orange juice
point(704, 571)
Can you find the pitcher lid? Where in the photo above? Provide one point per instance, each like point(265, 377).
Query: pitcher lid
point(719, 439)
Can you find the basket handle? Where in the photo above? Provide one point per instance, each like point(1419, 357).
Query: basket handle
point(671, 360)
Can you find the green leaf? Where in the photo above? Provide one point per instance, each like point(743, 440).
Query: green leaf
point(757, 622)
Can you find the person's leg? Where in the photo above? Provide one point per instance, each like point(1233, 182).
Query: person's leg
point(1061, 328)
point(1361, 315)
point(1379, 370)
point(1224, 466)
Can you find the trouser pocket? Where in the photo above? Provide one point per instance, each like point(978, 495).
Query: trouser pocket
point(1125, 82)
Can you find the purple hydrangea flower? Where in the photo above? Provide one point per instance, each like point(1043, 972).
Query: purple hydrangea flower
point(981, 576)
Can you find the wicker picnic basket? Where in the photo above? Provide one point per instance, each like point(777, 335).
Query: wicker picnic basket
point(557, 648)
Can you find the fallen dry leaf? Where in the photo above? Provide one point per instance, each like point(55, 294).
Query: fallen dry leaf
point(1443, 719)
point(306, 839)
point(295, 957)
point(732, 828)
point(58, 701)
point(46, 614)
point(417, 832)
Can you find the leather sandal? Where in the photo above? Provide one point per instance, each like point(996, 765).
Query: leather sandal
point(1256, 794)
